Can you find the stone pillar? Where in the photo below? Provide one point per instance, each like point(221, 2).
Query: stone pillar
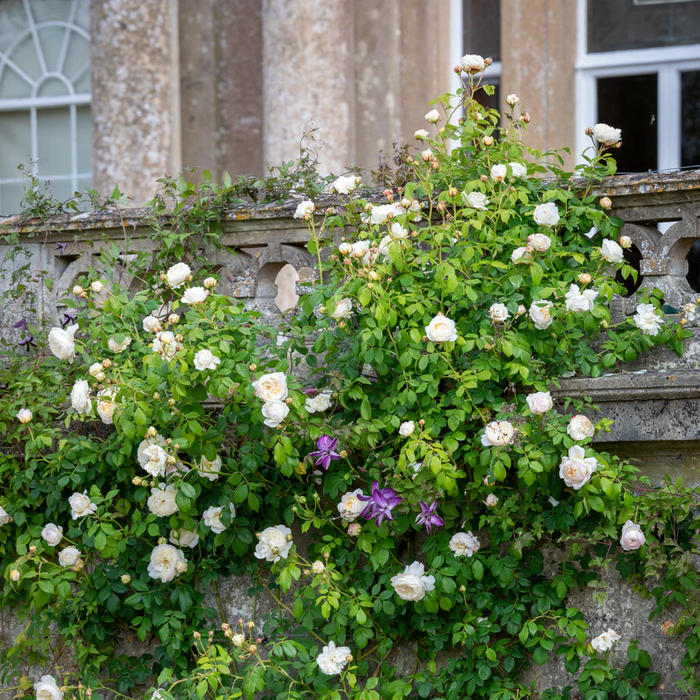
point(538, 40)
point(135, 94)
point(308, 73)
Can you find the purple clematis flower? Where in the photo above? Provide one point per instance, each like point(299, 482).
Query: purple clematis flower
point(21, 324)
point(325, 451)
point(27, 341)
point(428, 516)
point(380, 503)
point(69, 315)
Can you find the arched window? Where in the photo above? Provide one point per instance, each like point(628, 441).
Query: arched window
point(44, 96)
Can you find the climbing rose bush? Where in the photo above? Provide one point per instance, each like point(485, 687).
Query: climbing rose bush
point(393, 471)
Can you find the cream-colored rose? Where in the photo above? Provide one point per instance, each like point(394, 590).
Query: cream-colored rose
point(166, 563)
point(194, 295)
point(472, 63)
point(80, 397)
point(206, 360)
point(210, 282)
point(274, 543)
point(350, 506)
point(540, 402)
point(632, 537)
point(68, 556)
point(413, 584)
point(271, 387)
point(498, 433)
point(96, 371)
point(476, 200)
point(606, 134)
point(52, 534)
point(165, 345)
point(152, 456)
point(345, 248)
point(106, 405)
point(177, 275)
point(407, 428)
point(518, 169)
point(433, 116)
point(521, 255)
point(546, 214)
point(491, 500)
point(345, 184)
point(498, 313)
point(611, 251)
point(304, 210)
point(274, 412)
point(605, 641)
point(499, 172)
point(62, 343)
point(162, 502)
point(646, 319)
point(576, 469)
point(210, 469)
point(512, 100)
point(464, 544)
point(81, 505)
point(421, 134)
point(212, 517)
point(580, 301)
point(332, 660)
point(320, 403)
point(539, 242)
point(541, 315)
point(24, 415)
point(151, 324)
point(580, 428)
point(342, 308)
point(441, 330)
point(47, 689)
point(4, 517)
point(115, 346)
point(184, 538)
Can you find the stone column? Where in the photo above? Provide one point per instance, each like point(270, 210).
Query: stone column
point(135, 94)
point(538, 39)
point(308, 74)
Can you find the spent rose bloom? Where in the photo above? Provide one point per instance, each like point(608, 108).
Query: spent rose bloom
point(546, 214)
point(166, 562)
point(441, 329)
point(472, 63)
point(332, 660)
point(194, 295)
point(345, 184)
point(611, 251)
point(184, 538)
point(433, 116)
point(320, 403)
point(476, 200)
point(118, 346)
point(52, 534)
point(342, 308)
point(498, 172)
point(498, 313)
point(521, 255)
point(464, 544)
point(80, 397)
point(151, 324)
point(646, 319)
point(576, 469)
point(606, 134)
point(304, 209)
point(274, 543)
point(68, 556)
point(350, 506)
point(205, 359)
point(539, 242)
point(212, 517)
point(274, 412)
point(47, 689)
point(271, 387)
point(24, 415)
point(518, 169)
point(165, 345)
point(62, 343)
point(605, 641)
point(413, 584)
point(177, 275)
point(632, 537)
point(162, 502)
point(498, 433)
point(81, 505)
point(580, 428)
point(541, 315)
point(407, 428)
point(578, 301)
point(540, 402)
point(491, 500)
point(210, 469)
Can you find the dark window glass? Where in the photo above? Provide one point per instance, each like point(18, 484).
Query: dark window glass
point(614, 25)
point(629, 103)
point(482, 28)
point(690, 118)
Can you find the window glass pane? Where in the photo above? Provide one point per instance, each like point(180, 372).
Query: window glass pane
point(13, 21)
point(54, 135)
point(690, 118)
point(482, 27)
point(615, 25)
point(14, 142)
point(629, 103)
point(84, 140)
point(10, 198)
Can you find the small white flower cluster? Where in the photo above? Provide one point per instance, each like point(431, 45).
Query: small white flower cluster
point(605, 641)
point(272, 389)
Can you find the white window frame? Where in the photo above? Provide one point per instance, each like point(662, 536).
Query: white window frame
point(34, 102)
point(668, 62)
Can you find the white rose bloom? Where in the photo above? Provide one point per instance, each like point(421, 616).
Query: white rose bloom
point(106, 405)
point(472, 62)
point(576, 469)
point(646, 319)
point(546, 214)
point(518, 169)
point(498, 313)
point(433, 116)
point(384, 246)
point(611, 251)
point(320, 403)
point(194, 295)
point(274, 413)
point(477, 200)
point(210, 470)
point(351, 506)
point(580, 428)
point(413, 584)
point(421, 134)
point(271, 387)
point(345, 248)
point(162, 502)
point(166, 563)
point(97, 371)
point(606, 134)
point(114, 346)
point(491, 500)
point(591, 232)
point(61, 342)
point(80, 397)
point(4, 517)
point(151, 324)
point(68, 556)
point(540, 402)
point(521, 255)
point(332, 660)
point(165, 345)
point(498, 172)
point(382, 213)
point(304, 209)
point(24, 415)
point(464, 544)
point(605, 641)
point(184, 538)
point(205, 359)
point(578, 301)
point(540, 313)
point(398, 232)
point(212, 517)
point(47, 689)
point(152, 457)
point(632, 537)
point(441, 330)
point(498, 433)
point(342, 308)
point(81, 505)
point(52, 534)
point(407, 428)
point(177, 275)
point(346, 184)
point(540, 242)
point(512, 100)
point(274, 543)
